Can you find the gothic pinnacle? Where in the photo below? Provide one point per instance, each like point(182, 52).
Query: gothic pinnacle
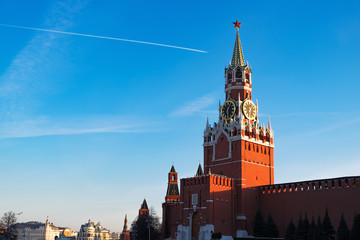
point(269, 124)
point(207, 124)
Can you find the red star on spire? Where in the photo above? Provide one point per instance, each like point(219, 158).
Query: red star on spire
point(237, 24)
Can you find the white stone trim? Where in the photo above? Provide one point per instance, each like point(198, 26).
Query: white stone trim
point(238, 87)
point(240, 161)
point(240, 217)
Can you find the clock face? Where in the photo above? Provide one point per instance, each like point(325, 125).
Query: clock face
point(228, 110)
point(249, 109)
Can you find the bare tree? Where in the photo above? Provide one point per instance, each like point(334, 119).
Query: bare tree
point(155, 219)
point(8, 220)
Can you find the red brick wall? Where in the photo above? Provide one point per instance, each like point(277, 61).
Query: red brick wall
point(215, 201)
point(309, 198)
point(171, 219)
point(222, 147)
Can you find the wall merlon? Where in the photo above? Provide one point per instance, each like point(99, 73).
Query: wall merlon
point(208, 179)
point(321, 184)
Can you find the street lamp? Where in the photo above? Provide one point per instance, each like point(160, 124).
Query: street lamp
point(148, 225)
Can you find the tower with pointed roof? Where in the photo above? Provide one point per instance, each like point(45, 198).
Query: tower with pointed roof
point(125, 234)
point(144, 210)
point(199, 171)
point(170, 213)
point(172, 192)
point(238, 154)
point(238, 84)
point(238, 145)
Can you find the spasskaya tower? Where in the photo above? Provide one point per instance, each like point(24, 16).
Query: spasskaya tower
point(238, 145)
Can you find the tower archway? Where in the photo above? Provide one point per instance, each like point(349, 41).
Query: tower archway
point(195, 226)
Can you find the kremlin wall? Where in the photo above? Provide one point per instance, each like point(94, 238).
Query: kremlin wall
point(238, 175)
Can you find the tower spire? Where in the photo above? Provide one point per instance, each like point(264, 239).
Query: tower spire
point(269, 124)
point(125, 235)
point(238, 56)
point(207, 123)
point(199, 171)
point(125, 223)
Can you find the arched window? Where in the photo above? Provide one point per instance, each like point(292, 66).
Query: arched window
point(229, 76)
point(247, 132)
point(233, 132)
point(264, 150)
point(173, 177)
point(238, 73)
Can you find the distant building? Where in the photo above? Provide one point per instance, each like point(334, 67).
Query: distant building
point(93, 231)
point(67, 234)
point(37, 231)
point(2, 233)
point(115, 236)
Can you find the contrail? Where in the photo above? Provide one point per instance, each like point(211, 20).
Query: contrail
point(103, 37)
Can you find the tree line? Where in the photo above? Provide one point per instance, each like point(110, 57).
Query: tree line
point(305, 230)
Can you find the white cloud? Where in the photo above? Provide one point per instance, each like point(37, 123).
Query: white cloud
point(44, 126)
point(197, 106)
point(31, 72)
point(326, 129)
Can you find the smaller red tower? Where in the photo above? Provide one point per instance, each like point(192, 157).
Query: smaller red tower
point(144, 210)
point(172, 193)
point(125, 235)
point(171, 205)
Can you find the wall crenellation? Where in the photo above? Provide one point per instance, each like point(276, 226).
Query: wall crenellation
point(321, 184)
point(211, 178)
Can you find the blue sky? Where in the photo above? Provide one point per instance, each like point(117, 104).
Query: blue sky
point(89, 127)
